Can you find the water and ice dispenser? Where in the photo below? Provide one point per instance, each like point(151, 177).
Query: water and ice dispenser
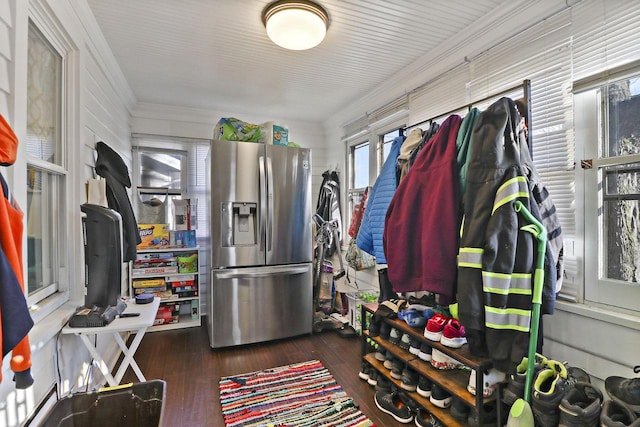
point(239, 224)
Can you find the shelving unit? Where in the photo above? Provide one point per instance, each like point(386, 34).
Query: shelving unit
point(454, 381)
point(186, 312)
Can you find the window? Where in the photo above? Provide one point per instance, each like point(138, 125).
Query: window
point(384, 145)
point(612, 190)
point(359, 160)
point(46, 171)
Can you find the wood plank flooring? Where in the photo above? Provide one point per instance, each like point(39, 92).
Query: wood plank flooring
point(192, 370)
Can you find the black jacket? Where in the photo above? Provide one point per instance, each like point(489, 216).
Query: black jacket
point(111, 167)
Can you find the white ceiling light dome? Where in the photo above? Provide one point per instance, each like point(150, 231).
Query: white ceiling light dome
point(295, 25)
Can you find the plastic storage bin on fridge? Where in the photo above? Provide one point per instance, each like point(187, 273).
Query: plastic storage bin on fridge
point(139, 405)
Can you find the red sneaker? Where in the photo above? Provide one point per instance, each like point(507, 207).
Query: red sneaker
point(435, 325)
point(453, 334)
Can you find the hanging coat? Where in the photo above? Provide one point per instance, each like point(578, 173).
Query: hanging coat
point(497, 258)
point(421, 226)
point(15, 319)
point(111, 167)
point(370, 235)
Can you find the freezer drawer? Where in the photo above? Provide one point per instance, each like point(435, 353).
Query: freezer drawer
point(249, 305)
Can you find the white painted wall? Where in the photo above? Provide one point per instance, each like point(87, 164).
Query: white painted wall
point(98, 109)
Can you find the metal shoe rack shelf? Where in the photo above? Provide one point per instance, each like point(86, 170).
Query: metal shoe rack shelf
point(454, 381)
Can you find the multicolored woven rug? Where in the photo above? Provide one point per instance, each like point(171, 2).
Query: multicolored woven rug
point(302, 394)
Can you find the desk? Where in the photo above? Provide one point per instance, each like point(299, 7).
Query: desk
point(135, 325)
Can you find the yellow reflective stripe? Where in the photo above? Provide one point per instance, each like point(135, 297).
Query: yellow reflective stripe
point(509, 191)
point(505, 284)
point(507, 318)
point(470, 257)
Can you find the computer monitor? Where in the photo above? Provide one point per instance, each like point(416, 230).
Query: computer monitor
point(103, 255)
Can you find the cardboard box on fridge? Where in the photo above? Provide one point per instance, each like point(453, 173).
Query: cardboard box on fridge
point(153, 236)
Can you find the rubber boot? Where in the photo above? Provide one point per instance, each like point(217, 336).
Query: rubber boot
point(386, 288)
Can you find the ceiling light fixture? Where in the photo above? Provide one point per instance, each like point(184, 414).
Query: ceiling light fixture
point(295, 25)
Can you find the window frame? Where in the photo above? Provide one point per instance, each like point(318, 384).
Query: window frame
point(45, 300)
point(590, 128)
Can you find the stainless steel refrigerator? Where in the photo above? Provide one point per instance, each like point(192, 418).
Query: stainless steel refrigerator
point(261, 243)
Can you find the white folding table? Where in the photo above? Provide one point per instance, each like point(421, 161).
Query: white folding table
point(136, 325)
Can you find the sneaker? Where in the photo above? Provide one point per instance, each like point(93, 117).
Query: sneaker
point(626, 390)
point(409, 379)
point(425, 352)
point(397, 366)
point(383, 384)
point(364, 371)
point(580, 406)
point(491, 381)
point(439, 360)
point(388, 361)
point(460, 410)
point(548, 390)
point(440, 397)
point(413, 317)
point(616, 414)
point(373, 377)
point(394, 336)
point(391, 404)
point(414, 346)
point(425, 419)
point(424, 387)
point(453, 334)
point(434, 328)
point(381, 354)
point(516, 384)
point(405, 342)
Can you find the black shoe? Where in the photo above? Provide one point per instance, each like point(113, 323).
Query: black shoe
point(383, 384)
point(409, 379)
point(397, 366)
point(381, 354)
point(440, 397)
point(391, 404)
point(548, 390)
point(388, 361)
point(617, 414)
point(394, 336)
point(373, 377)
point(364, 371)
point(581, 406)
point(627, 390)
point(577, 375)
point(459, 410)
point(405, 342)
point(427, 299)
point(425, 352)
point(425, 419)
point(414, 346)
point(424, 387)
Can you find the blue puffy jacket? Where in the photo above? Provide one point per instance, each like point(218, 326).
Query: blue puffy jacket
point(370, 235)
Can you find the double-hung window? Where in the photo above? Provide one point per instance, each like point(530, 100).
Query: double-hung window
point(46, 167)
point(608, 124)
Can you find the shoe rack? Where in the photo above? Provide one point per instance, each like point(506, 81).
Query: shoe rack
point(454, 381)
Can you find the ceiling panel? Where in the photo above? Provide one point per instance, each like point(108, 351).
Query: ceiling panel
point(215, 54)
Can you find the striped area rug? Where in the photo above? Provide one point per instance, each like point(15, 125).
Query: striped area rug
point(301, 394)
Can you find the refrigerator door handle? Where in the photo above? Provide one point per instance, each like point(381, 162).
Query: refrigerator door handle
point(250, 273)
point(263, 205)
point(270, 201)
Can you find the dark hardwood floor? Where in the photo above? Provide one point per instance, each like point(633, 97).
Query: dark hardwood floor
point(192, 370)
